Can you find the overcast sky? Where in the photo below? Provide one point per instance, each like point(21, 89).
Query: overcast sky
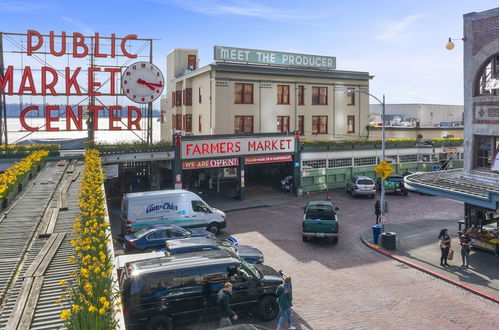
point(401, 43)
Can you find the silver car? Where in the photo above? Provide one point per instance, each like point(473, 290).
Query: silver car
point(361, 185)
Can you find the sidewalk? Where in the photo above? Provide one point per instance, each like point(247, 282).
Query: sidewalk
point(417, 246)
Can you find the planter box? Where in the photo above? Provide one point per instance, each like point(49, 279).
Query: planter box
point(21, 184)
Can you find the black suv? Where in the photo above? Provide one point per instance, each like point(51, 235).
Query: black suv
point(158, 293)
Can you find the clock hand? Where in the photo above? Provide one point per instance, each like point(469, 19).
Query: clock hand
point(142, 82)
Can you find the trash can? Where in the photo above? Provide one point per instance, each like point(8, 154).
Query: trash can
point(377, 229)
point(388, 240)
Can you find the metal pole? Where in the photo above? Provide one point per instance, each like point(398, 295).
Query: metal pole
point(383, 155)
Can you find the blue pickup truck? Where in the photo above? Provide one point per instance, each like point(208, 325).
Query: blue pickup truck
point(320, 221)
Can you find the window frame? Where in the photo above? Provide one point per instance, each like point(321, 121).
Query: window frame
point(243, 93)
point(188, 96)
point(199, 124)
point(178, 98)
point(351, 97)
point(317, 129)
point(188, 123)
point(352, 118)
point(301, 126)
point(320, 95)
point(178, 120)
point(200, 98)
point(280, 124)
point(283, 94)
point(244, 119)
point(301, 95)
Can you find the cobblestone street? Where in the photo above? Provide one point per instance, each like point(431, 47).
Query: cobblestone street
point(349, 286)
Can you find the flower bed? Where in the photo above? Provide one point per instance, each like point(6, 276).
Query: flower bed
point(126, 147)
point(374, 143)
point(89, 300)
point(25, 149)
point(446, 142)
point(15, 174)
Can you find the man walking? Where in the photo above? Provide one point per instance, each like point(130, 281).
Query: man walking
point(377, 211)
point(285, 301)
point(223, 305)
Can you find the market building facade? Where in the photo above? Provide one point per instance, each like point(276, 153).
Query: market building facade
point(477, 185)
point(246, 91)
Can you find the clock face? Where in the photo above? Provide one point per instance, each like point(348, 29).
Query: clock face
point(142, 82)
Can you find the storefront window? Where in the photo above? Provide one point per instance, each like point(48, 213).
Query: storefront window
point(485, 147)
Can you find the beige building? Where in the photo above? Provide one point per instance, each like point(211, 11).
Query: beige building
point(256, 91)
point(428, 115)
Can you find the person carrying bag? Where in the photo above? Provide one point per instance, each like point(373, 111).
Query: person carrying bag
point(444, 242)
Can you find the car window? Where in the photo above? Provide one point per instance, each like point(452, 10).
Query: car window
point(396, 179)
point(142, 232)
point(177, 232)
point(365, 181)
point(199, 206)
point(159, 234)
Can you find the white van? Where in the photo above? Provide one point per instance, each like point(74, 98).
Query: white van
point(174, 207)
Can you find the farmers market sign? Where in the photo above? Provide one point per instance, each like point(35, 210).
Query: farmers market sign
point(245, 55)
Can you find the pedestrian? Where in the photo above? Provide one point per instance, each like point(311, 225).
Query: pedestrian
point(465, 243)
point(285, 301)
point(377, 211)
point(444, 241)
point(225, 313)
point(210, 183)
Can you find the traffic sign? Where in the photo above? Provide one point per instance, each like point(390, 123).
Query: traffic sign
point(383, 169)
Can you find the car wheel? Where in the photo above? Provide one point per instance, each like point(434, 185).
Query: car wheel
point(160, 322)
point(335, 240)
point(213, 228)
point(267, 308)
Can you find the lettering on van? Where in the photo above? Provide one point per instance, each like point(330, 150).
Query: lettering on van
point(165, 206)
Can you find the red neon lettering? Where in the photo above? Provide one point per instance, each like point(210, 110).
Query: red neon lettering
point(112, 82)
point(96, 48)
point(52, 43)
point(70, 117)
point(79, 41)
point(22, 118)
point(71, 81)
point(238, 146)
point(49, 86)
point(7, 78)
point(113, 118)
point(123, 45)
point(95, 110)
point(113, 45)
point(27, 77)
point(49, 118)
point(205, 148)
point(134, 122)
point(230, 147)
point(267, 145)
point(251, 145)
point(274, 145)
point(30, 47)
point(196, 149)
point(92, 83)
point(187, 148)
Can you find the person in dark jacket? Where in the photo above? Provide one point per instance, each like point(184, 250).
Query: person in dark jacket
point(223, 305)
point(377, 211)
point(285, 302)
point(444, 241)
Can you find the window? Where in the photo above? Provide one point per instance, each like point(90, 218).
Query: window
point(199, 95)
point(199, 206)
point(178, 98)
point(319, 124)
point(363, 161)
point(282, 94)
point(199, 123)
point(243, 93)
point(301, 125)
point(340, 162)
point(283, 123)
point(483, 153)
point(319, 95)
point(191, 62)
point(188, 123)
point(350, 124)
point(350, 97)
point(188, 96)
point(173, 99)
point(243, 124)
point(408, 158)
point(178, 122)
point(486, 77)
point(301, 95)
point(317, 163)
point(157, 235)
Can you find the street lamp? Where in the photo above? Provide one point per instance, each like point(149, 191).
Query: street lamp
point(351, 90)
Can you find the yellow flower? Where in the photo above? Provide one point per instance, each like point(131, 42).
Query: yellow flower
point(92, 309)
point(102, 311)
point(62, 282)
point(75, 308)
point(65, 314)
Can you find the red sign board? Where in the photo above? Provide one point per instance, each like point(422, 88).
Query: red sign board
point(268, 159)
point(195, 164)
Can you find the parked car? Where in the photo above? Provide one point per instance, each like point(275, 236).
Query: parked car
point(245, 326)
point(361, 185)
point(395, 184)
point(154, 237)
point(320, 221)
point(196, 244)
point(169, 207)
point(158, 293)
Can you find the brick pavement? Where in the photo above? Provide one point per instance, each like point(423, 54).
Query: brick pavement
point(349, 286)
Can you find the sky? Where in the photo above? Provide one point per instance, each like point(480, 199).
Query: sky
point(401, 43)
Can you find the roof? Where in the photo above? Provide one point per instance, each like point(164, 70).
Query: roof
point(159, 192)
point(182, 261)
point(191, 241)
point(452, 184)
point(320, 203)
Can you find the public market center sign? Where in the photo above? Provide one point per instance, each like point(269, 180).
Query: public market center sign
point(245, 55)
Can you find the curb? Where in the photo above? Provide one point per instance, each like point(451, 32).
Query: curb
point(430, 272)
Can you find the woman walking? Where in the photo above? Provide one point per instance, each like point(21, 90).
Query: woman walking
point(444, 246)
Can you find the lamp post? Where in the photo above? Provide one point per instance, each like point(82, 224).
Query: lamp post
point(382, 142)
